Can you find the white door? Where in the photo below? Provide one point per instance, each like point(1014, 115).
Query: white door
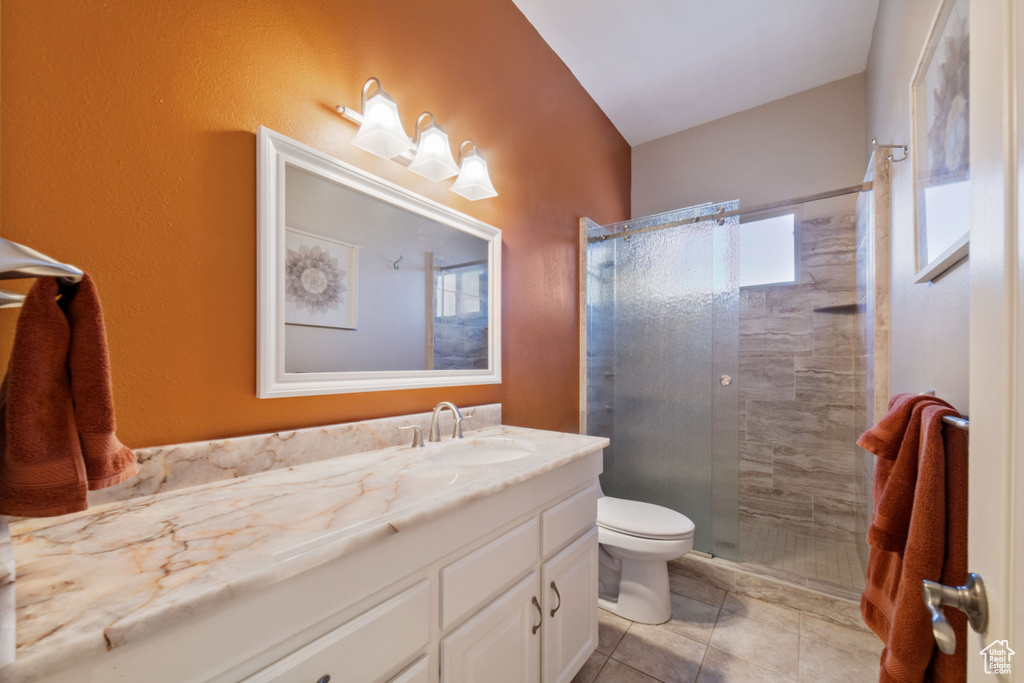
point(500, 644)
point(996, 531)
point(569, 587)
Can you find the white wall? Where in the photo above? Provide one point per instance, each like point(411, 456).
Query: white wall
point(802, 144)
point(929, 321)
point(392, 304)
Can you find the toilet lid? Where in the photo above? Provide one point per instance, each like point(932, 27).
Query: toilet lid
point(643, 520)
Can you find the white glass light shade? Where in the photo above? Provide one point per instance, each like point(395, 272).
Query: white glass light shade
point(434, 158)
point(474, 182)
point(381, 132)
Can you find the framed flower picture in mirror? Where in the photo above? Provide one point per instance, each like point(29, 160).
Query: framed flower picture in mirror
point(320, 280)
point(940, 114)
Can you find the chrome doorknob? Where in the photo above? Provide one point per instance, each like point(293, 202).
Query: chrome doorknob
point(969, 598)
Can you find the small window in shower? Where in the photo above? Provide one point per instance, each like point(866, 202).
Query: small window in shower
point(458, 292)
point(768, 251)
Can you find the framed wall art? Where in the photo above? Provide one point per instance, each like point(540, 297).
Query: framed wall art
point(319, 280)
point(940, 114)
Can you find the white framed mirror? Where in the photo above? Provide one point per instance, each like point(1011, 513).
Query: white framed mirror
point(364, 285)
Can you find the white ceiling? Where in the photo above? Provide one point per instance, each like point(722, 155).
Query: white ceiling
point(660, 66)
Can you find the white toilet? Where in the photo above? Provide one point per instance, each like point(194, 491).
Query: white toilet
point(637, 541)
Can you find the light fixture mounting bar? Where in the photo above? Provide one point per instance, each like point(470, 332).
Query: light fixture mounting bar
point(356, 117)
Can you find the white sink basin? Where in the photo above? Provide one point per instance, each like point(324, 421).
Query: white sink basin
point(486, 451)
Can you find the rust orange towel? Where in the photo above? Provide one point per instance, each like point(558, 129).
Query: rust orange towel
point(56, 406)
point(918, 531)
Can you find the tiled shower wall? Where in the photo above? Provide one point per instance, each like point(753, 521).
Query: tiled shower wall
point(798, 396)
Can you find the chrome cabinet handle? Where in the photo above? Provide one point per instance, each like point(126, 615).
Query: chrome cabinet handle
point(540, 613)
point(969, 599)
point(557, 595)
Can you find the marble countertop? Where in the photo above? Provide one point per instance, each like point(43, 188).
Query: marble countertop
point(121, 572)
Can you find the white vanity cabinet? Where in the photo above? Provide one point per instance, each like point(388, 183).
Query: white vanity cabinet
point(545, 627)
point(519, 639)
point(502, 587)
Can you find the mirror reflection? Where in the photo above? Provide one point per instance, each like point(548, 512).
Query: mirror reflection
point(370, 286)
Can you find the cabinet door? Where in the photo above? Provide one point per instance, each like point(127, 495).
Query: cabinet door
point(569, 587)
point(500, 643)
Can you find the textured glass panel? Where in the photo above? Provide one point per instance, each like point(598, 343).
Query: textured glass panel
point(725, 399)
point(681, 216)
point(601, 347)
point(657, 306)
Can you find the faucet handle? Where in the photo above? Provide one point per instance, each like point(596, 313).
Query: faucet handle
point(457, 430)
point(417, 436)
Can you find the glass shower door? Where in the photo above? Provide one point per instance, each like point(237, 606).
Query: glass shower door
point(663, 334)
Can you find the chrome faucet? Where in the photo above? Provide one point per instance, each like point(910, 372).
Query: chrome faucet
point(435, 428)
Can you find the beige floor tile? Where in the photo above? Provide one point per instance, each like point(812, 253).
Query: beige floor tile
point(590, 668)
point(746, 606)
point(617, 672)
point(757, 641)
point(722, 667)
point(698, 590)
point(660, 653)
point(610, 628)
point(821, 663)
point(842, 637)
point(692, 618)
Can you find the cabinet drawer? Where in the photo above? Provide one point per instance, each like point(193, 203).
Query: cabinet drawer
point(469, 582)
point(364, 649)
point(567, 520)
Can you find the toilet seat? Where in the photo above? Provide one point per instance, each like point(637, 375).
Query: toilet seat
point(642, 520)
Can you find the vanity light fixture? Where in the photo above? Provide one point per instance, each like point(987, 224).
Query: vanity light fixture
point(433, 158)
point(474, 182)
point(381, 133)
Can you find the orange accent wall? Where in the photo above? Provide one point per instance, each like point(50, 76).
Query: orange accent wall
point(128, 149)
